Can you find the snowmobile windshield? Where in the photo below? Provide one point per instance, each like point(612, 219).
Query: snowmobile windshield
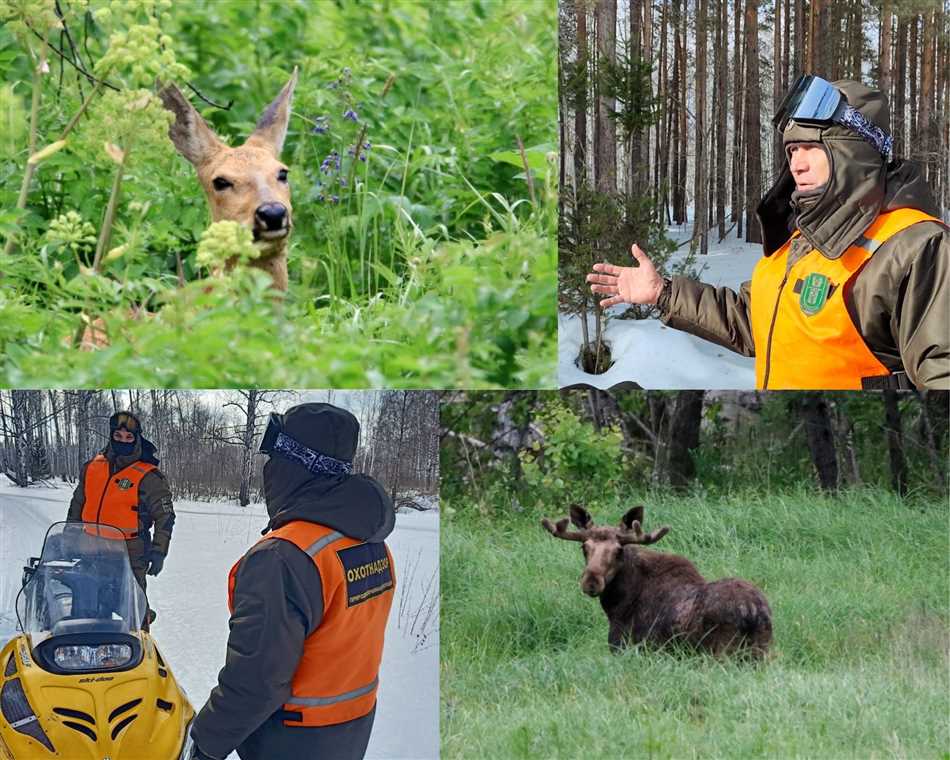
point(82, 584)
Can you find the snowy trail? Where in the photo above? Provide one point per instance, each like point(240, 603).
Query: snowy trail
point(190, 596)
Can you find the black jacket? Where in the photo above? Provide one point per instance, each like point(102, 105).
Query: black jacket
point(278, 602)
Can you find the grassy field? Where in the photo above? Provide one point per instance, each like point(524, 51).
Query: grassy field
point(858, 587)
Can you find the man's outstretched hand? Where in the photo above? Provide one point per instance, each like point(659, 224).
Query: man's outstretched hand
point(639, 284)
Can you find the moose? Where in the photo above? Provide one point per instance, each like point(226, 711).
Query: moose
point(662, 598)
point(247, 184)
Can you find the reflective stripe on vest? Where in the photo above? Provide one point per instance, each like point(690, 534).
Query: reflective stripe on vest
point(803, 334)
point(338, 673)
point(113, 499)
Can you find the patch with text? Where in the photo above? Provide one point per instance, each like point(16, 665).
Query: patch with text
point(367, 570)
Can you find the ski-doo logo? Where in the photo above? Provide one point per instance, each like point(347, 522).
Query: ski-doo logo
point(125, 484)
point(367, 570)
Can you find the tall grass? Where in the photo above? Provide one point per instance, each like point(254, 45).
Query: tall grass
point(859, 668)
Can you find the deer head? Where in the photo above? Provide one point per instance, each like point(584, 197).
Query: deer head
point(603, 545)
point(247, 184)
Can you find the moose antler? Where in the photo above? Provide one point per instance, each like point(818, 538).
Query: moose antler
point(559, 530)
point(636, 535)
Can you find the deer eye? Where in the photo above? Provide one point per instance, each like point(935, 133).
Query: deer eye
point(220, 183)
point(282, 175)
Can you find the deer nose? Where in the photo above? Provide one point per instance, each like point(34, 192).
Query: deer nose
point(271, 215)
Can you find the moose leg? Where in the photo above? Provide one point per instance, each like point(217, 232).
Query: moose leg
point(617, 637)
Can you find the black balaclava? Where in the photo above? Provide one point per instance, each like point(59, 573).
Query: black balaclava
point(124, 448)
point(322, 427)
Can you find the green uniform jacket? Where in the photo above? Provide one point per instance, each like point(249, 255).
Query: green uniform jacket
point(900, 300)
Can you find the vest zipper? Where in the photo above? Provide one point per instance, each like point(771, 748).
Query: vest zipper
point(768, 343)
point(103, 496)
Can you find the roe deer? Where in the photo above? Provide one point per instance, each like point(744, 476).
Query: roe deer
point(247, 184)
point(662, 598)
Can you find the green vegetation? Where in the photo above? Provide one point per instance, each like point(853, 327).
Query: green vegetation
point(858, 587)
point(430, 263)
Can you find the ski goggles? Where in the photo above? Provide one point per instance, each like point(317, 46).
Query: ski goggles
point(812, 101)
point(277, 442)
point(124, 420)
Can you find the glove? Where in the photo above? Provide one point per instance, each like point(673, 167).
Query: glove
point(156, 561)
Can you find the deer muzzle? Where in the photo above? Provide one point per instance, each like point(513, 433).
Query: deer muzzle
point(271, 221)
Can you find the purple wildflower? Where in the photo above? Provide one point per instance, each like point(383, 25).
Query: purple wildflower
point(350, 114)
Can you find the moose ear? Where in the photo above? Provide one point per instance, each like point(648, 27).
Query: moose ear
point(192, 136)
point(271, 128)
point(633, 515)
point(580, 516)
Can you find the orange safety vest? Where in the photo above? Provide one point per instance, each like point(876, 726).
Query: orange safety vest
point(338, 674)
point(114, 500)
point(803, 334)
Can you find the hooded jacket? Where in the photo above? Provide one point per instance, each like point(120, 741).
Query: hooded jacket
point(154, 499)
point(277, 604)
point(899, 302)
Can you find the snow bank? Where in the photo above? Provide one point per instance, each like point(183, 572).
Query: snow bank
point(655, 356)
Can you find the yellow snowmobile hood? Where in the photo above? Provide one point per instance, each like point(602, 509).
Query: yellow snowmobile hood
point(115, 715)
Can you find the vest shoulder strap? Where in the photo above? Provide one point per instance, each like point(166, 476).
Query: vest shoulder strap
point(889, 224)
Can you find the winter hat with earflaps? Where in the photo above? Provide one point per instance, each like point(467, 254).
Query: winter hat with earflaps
point(125, 421)
point(853, 196)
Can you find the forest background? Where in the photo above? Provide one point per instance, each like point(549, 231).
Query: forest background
point(666, 108)
point(834, 504)
point(207, 441)
point(428, 263)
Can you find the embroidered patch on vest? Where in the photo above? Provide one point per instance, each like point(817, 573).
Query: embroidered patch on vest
point(367, 570)
point(814, 293)
point(125, 484)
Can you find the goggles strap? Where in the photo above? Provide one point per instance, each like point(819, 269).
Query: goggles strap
point(314, 461)
point(855, 120)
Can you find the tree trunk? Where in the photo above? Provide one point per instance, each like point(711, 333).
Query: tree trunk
point(884, 77)
point(722, 107)
point(926, 127)
point(700, 236)
point(895, 443)
point(247, 449)
point(580, 113)
point(753, 142)
point(912, 103)
point(778, 151)
point(821, 445)
point(738, 202)
point(605, 149)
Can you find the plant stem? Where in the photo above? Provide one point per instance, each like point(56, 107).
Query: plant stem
point(105, 234)
point(30, 167)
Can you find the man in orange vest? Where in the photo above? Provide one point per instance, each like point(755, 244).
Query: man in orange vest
point(309, 603)
point(122, 486)
point(854, 288)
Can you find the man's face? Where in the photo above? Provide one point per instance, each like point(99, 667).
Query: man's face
point(809, 165)
point(123, 436)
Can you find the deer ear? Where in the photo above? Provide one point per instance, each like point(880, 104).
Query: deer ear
point(633, 515)
point(192, 136)
point(580, 516)
point(271, 128)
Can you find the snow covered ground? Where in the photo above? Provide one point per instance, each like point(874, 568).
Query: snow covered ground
point(190, 596)
point(655, 356)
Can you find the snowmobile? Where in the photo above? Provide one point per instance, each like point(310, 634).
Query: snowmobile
point(83, 679)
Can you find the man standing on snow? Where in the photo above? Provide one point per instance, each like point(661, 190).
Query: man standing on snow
point(309, 603)
point(854, 288)
point(122, 486)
